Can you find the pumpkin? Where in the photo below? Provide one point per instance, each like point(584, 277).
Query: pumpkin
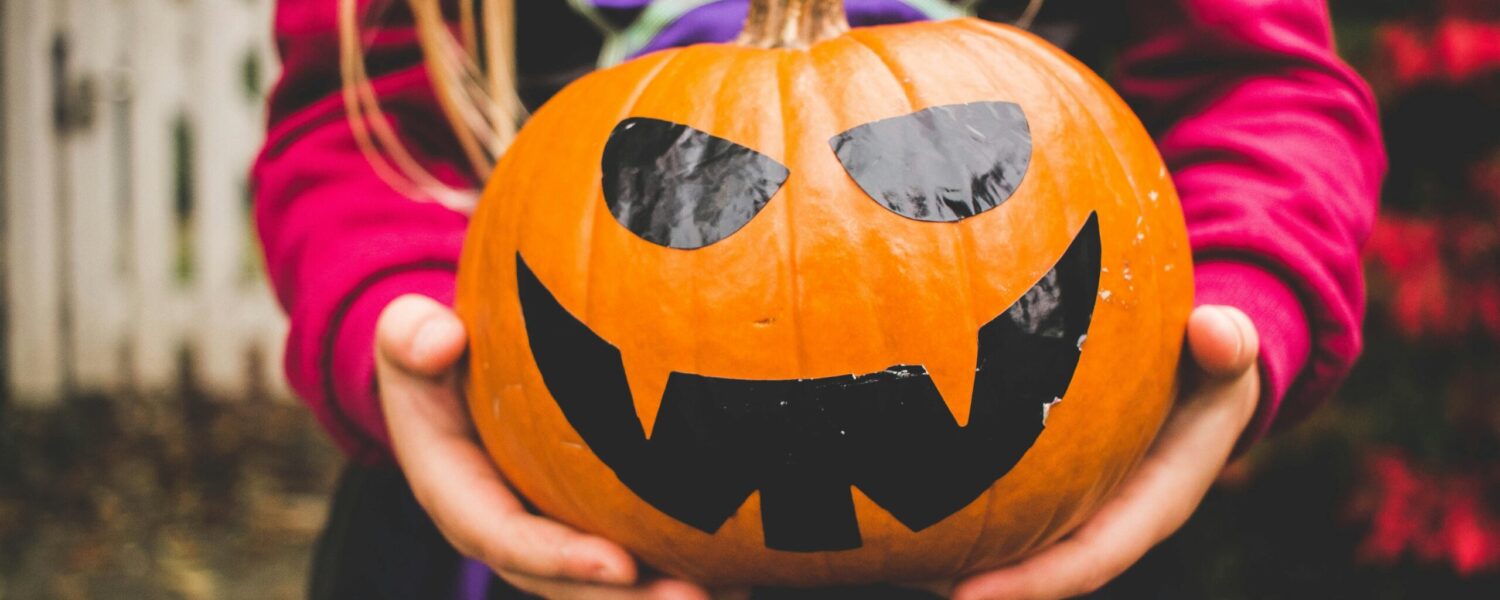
point(827, 306)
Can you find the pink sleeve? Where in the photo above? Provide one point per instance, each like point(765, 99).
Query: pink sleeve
point(339, 243)
point(1275, 147)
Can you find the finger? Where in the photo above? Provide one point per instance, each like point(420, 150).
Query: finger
point(1154, 502)
point(659, 589)
point(484, 519)
point(1222, 340)
point(420, 335)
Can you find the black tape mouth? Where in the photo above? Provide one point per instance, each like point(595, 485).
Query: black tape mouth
point(802, 443)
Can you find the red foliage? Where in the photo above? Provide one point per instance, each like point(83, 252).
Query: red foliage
point(1444, 274)
point(1431, 517)
point(1437, 274)
point(1444, 270)
point(1455, 50)
point(1469, 534)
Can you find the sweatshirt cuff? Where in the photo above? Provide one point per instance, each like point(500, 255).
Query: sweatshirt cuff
point(1280, 320)
point(351, 366)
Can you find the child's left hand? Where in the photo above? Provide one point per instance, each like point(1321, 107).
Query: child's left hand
point(418, 346)
point(1165, 489)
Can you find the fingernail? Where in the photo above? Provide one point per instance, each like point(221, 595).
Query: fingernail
point(1227, 318)
point(591, 568)
point(430, 335)
point(601, 572)
point(426, 336)
point(607, 572)
point(1239, 334)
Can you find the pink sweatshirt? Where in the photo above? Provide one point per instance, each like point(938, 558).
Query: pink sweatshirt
point(1273, 143)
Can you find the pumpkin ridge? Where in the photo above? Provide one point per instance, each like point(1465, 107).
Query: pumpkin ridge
point(912, 102)
point(783, 75)
point(1000, 35)
point(1138, 199)
point(966, 563)
point(669, 58)
point(728, 81)
point(967, 234)
point(957, 235)
point(975, 64)
point(591, 511)
point(970, 556)
point(1030, 49)
point(1157, 316)
point(870, 289)
point(911, 106)
point(984, 70)
point(965, 231)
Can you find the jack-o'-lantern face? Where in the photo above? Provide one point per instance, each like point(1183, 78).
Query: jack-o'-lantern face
point(775, 317)
point(802, 442)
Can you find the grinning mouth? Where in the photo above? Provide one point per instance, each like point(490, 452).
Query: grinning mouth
point(803, 442)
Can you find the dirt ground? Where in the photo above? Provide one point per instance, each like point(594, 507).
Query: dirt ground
point(149, 498)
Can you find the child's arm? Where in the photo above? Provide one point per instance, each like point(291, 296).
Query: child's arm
point(339, 243)
point(1275, 147)
point(342, 247)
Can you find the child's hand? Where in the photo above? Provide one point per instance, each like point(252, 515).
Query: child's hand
point(1170, 481)
point(418, 343)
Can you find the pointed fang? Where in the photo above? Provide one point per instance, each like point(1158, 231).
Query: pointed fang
point(954, 379)
point(647, 384)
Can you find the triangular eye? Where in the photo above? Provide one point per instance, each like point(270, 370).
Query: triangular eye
point(945, 163)
point(678, 187)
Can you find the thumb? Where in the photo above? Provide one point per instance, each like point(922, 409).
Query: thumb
point(420, 335)
point(1222, 340)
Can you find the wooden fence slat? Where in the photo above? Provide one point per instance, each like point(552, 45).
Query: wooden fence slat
point(91, 199)
point(220, 233)
point(33, 291)
point(157, 312)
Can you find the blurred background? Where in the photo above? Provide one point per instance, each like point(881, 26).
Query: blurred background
point(148, 445)
point(149, 448)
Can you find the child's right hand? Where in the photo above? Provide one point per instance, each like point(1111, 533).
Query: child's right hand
point(418, 343)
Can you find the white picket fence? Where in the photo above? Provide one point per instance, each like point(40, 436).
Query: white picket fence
point(129, 127)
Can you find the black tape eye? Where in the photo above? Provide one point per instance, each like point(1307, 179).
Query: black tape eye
point(678, 187)
point(945, 163)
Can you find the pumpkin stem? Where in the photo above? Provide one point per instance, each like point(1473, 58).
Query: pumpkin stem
point(793, 23)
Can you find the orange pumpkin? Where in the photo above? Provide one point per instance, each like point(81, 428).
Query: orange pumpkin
point(827, 306)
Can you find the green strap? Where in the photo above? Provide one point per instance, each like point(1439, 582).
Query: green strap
point(622, 43)
point(940, 10)
point(591, 12)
